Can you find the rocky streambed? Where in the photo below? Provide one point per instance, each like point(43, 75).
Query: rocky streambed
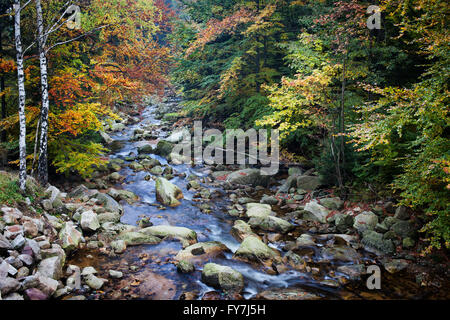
point(147, 227)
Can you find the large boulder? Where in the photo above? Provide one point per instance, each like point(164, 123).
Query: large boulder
point(341, 253)
point(70, 236)
point(241, 230)
point(258, 210)
point(251, 177)
point(317, 212)
point(163, 148)
point(202, 251)
point(132, 238)
point(167, 193)
point(252, 249)
point(185, 235)
point(51, 267)
point(308, 183)
point(271, 223)
point(365, 221)
point(178, 136)
point(89, 221)
point(332, 203)
point(404, 229)
point(223, 277)
point(375, 243)
point(109, 203)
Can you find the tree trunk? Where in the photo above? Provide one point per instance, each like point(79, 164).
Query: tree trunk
point(42, 162)
point(2, 89)
point(21, 87)
point(342, 118)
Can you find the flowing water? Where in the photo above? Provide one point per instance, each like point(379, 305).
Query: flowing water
point(155, 275)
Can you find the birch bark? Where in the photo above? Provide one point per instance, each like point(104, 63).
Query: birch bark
point(21, 86)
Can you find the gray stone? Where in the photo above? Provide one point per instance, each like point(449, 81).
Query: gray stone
point(51, 267)
point(374, 242)
point(318, 212)
point(271, 223)
point(365, 221)
point(89, 221)
point(308, 183)
point(167, 193)
point(222, 277)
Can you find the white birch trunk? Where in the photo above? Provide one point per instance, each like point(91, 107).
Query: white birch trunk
point(43, 157)
point(21, 87)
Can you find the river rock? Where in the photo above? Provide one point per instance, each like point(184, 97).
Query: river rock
point(223, 277)
point(11, 215)
point(374, 242)
point(202, 251)
point(51, 267)
point(70, 236)
point(250, 177)
point(365, 221)
point(404, 229)
point(109, 203)
point(258, 210)
point(341, 253)
point(332, 203)
point(89, 221)
point(241, 230)
point(163, 148)
point(94, 282)
point(317, 212)
point(35, 294)
point(286, 294)
point(137, 238)
point(308, 183)
point(8, 285)
point(271, 223)
point(184, 266)
point(252, 249)
point(185, 235)
point(115, 274)
point(167, 193)
point(343, 222)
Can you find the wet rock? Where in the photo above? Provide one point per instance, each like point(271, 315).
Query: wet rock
point(341, 253)
point(308, 183)
point(89, 221)
point(74, 279)
point(185, 235)
point(317, 212)
point(241, 230)
point(163, 148)
point(18, 242)
point(115, 274)
point(178, 136)
point(343, 222)
point(374, 242)
point(251, 177)
point(157, 170)
point(291, 182)
point(271, 223)
point(118, 195)
point(30, 229)
point(404, 229)
point(252, 249)
point(258, 210)
point(184, 266)
point(286, 294)
point(167, 193)
point(202, 251)
point(138, 238)
point(70, 236)
point(222, 277)
point(332, 203)
point(365, 221)
point(354, 272)
point(395, 265)
point(145, 149)
point(119, 246)
point(305, 240)
point(109, 203)
point(94, 282)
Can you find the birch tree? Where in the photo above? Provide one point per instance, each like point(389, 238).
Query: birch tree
point(43, 140)
point(21, 86)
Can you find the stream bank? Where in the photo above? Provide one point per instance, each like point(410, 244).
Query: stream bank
point(232, 234)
